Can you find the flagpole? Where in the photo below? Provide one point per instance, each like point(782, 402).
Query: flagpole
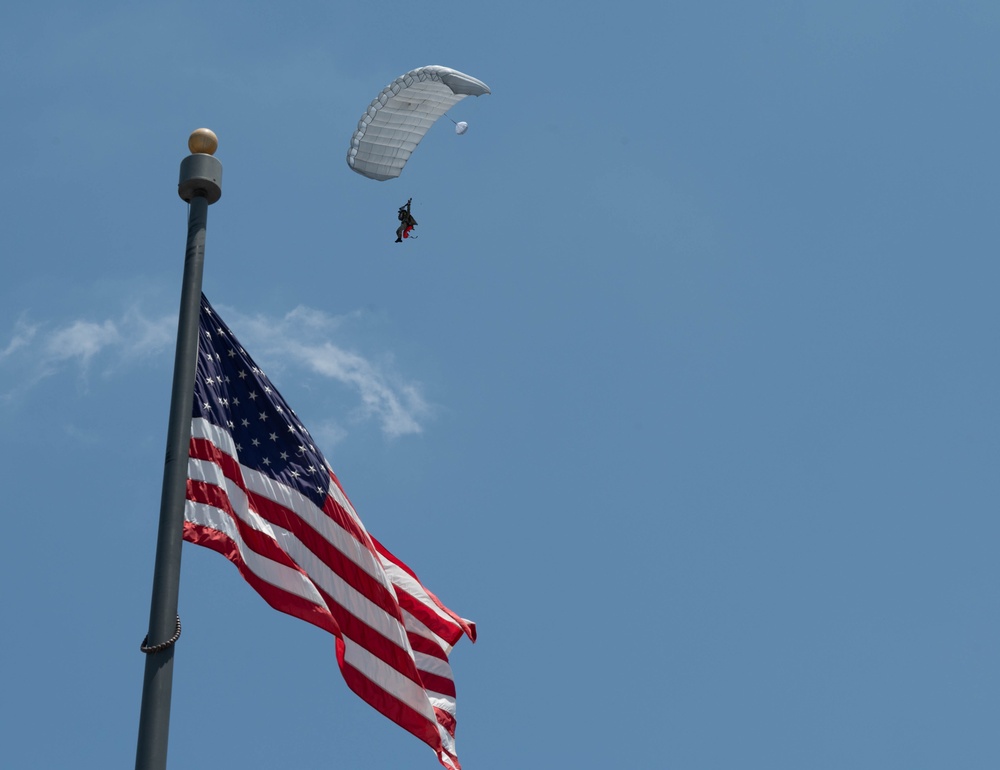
point(200, 185)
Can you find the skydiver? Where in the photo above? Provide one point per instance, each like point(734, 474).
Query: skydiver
point(406, 222)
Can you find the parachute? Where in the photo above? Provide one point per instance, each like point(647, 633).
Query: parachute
point(402, 113)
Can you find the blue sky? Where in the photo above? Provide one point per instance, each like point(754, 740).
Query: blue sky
point(685, 393)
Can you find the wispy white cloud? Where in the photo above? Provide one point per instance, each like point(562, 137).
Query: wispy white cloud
point(38, 350)
point(396, 405)
point(80, 341)
point(148, 336)
point(300, 341)
point(21, 337)
point(297, 345)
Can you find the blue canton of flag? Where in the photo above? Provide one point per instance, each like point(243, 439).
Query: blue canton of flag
point(233, 393)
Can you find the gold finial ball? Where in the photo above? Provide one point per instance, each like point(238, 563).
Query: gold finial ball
point(203, 140)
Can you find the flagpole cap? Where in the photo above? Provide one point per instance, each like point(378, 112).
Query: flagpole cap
point(203, 140)
point(201, 173)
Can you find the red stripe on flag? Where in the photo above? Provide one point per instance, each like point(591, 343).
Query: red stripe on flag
point(422, 611)
point(280, 600)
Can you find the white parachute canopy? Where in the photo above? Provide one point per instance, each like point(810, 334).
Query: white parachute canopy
point(398, 118)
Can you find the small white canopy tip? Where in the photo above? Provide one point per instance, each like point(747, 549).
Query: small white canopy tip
point(461, 127)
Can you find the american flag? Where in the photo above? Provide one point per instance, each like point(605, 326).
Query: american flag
point(260, 493)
